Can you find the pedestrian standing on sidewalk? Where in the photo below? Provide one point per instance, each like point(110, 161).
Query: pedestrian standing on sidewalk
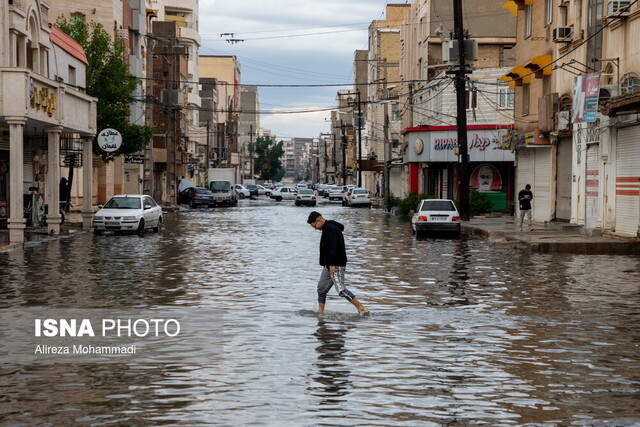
point(524, 197)
point(377, 189)
point(333, 259)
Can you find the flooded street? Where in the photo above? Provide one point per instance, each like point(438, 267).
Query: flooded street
point(460, 333)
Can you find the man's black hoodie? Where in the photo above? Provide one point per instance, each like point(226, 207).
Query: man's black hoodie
point(332, 250)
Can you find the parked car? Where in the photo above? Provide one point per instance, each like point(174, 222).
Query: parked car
point(306, 197)
point(436, 215)
point(284, 193)
point(264, 190)
point(253, 190)
point(241, 191)
point(335, 192)
point(196, 196)
point(301, 186)
point(128, 212)
point(358, 197)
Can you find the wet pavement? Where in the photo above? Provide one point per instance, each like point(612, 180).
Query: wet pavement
point(462, 331)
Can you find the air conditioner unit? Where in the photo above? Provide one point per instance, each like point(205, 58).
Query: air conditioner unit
point(618, 8)
point(563, 120)
point(607, 92)
point(562, 34)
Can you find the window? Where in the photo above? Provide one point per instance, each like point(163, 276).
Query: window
point(630, 83)
point(395, 111)
point(525, 100)
point(505, 96)
point(72, 75)
point(527, 20)
point(548, 12)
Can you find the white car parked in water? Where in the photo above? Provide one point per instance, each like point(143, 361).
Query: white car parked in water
point(128, 212)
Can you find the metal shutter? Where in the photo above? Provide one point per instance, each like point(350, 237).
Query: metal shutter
point(628, 180)
point(542, 184)
point(564, 179)
point(592, 186)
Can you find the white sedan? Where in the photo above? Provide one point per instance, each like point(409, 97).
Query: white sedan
point(242, 192)
point(284, 193)
point(436, 215)
point(128, 212)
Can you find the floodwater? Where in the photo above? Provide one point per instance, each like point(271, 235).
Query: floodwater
point(460, 333)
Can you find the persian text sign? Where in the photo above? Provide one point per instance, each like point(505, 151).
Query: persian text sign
point(109, 140)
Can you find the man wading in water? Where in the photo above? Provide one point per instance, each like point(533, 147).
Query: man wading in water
point(333, 257)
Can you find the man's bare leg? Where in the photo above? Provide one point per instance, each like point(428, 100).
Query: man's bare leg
point(358, 305)
point(320, 308)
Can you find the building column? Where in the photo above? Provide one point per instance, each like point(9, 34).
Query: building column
point(87, 182)
point(52, 197)
point(16, 223)
point(22, 51)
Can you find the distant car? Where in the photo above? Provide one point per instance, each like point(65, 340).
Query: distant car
point(264, 190)
point(241, 191)
point(196, 196)
point(335, 192)
point(253, 190)
point(301, 186)
point(284, 193)
point(306, 197)
point(436, 215)
point(128, 212)
point(358, 197)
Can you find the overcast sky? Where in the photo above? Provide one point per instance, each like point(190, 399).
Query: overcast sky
point(286, 42)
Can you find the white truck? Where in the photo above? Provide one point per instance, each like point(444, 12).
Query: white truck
point(221, 183)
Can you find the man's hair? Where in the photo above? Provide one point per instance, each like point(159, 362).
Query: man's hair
point(312, 217)
point(528, 187)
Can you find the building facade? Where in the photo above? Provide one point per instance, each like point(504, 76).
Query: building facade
point(47, 121)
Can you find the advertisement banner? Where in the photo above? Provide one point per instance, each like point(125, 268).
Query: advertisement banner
point(585, 94)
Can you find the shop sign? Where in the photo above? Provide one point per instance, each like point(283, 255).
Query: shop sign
point(109, 140)
point(42, 99)
point(136, 159)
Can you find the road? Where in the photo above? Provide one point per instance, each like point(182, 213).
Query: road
point(460, 332)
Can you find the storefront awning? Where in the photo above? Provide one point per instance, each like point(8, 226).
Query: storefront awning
point(541, 65)
point(513, 6)
point(518, 75)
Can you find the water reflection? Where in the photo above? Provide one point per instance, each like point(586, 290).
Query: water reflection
point(332, 379)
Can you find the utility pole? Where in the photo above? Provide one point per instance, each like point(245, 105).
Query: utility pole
point(344, 153)
point(359, 122)
point(461, 112)
point(251, 151)
point(208, 160)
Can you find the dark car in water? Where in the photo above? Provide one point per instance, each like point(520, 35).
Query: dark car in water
point(253, 190)
point(196, 196)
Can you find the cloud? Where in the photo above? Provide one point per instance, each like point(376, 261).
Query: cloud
point(276, 52)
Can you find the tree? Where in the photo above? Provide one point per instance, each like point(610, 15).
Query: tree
point(109, 80)
point(267, 164)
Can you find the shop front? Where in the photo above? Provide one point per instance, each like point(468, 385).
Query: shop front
point(433, 161)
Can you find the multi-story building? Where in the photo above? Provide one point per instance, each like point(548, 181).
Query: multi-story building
point(429, 110)
point(128, 21)
point(185, 14)
point(226, 71)
point(343, 128)
point(248, 125)
point(577, 91)
point(381, 104)
point(47, 122)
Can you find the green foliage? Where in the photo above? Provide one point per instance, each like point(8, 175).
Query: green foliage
point(409, 203)
point(109, 80)
point(479, 202)
point(267, 164)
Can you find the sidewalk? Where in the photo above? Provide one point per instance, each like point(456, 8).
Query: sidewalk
point(553, 238)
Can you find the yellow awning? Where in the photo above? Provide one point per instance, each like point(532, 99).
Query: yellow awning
point(512, 7)
point(521, 75)
point(510, 82)
point(541, 65)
